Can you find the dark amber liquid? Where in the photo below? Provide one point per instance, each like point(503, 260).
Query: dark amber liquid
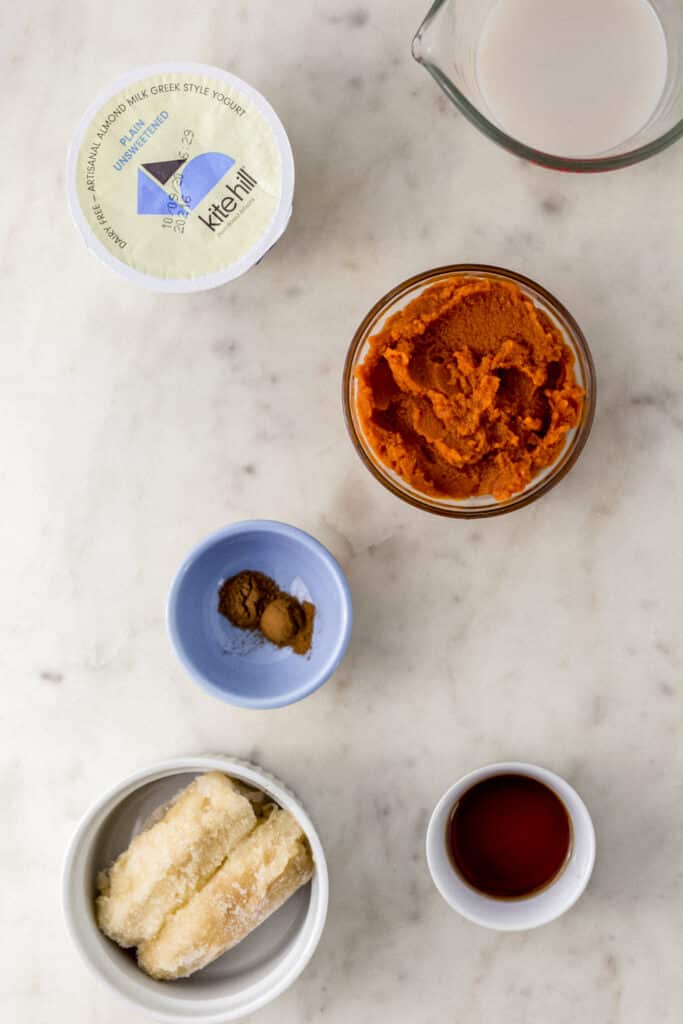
point(509, 836)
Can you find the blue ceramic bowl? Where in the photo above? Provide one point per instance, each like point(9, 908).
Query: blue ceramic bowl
point(240, 667)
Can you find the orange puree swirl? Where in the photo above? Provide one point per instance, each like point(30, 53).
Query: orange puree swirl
point(469, 390)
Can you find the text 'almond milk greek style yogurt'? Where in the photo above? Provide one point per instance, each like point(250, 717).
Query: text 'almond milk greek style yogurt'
point(180, 177)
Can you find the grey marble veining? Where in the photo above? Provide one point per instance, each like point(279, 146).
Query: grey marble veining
point(133, 424)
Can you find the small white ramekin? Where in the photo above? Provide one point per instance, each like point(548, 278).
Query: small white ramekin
point(516, 914)
point(248, 977)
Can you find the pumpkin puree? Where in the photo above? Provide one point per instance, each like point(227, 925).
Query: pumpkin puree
point(469, 390)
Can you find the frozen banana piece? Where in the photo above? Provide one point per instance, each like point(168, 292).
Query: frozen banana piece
point(172, 859)
point(258, 877)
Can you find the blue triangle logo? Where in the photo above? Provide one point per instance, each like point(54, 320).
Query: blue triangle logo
point(152, 198)
point(201, 174)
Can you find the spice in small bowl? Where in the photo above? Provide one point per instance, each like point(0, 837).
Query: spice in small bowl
point(253, 601)
point(250, 583)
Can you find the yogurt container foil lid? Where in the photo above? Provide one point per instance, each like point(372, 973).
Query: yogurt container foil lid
point(180, 177)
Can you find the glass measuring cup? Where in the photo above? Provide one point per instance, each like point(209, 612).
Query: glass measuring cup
point(446, 44)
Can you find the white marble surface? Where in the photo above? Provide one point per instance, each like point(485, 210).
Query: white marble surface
point(133, 424)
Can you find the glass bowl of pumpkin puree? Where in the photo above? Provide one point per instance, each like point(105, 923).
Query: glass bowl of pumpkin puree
point(469, 391)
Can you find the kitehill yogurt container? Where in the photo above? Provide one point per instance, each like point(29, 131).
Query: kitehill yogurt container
point(180, 177)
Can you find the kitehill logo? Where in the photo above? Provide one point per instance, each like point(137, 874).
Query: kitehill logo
point(199, 176)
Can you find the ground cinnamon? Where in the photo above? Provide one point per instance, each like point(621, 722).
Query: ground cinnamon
point(252, 600)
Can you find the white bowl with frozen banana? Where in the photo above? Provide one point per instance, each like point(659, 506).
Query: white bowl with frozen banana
point(157, 917)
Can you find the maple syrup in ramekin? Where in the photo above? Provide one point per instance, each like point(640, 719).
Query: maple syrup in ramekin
point(509, 836)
